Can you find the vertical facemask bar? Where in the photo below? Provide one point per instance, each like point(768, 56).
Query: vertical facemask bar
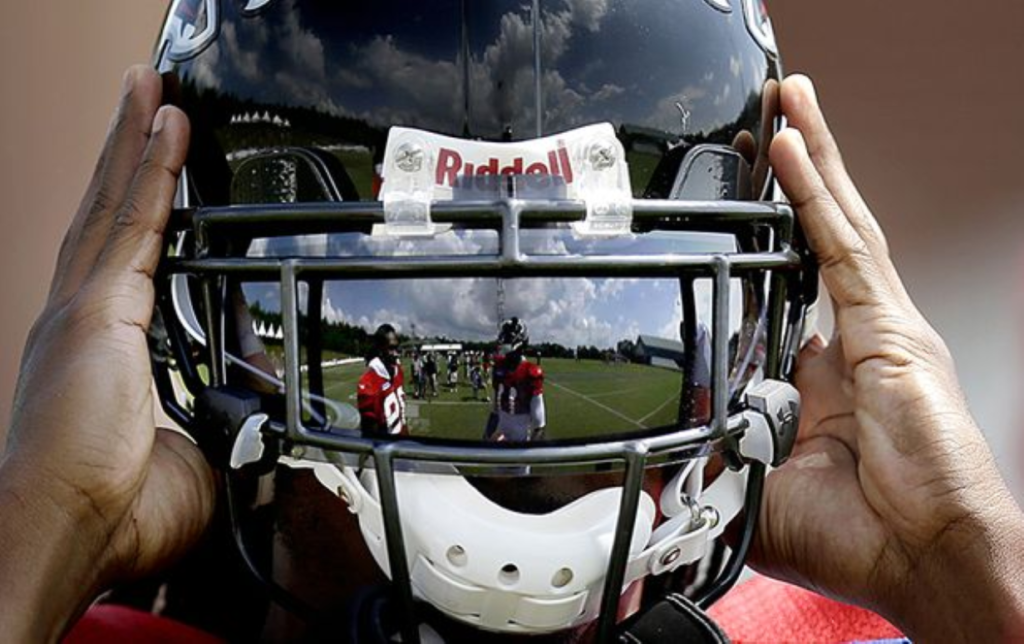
point(398, 565)
point(290, 314)
point(777, 366)
point(214, 301)
point(733, 569)
point(776, 317)
point(688, 334)
point(720, 346)
point(635, 457)
point(314, 347)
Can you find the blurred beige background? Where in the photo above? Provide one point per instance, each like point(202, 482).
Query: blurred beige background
point(926, 98)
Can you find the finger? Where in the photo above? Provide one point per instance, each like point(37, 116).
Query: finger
point(126, 142)
point(803, 112)
point(851, 271)
point(129, 257)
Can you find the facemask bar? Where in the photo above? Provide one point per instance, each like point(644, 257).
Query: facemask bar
point(785, 264)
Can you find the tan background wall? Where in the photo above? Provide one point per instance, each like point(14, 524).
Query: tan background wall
point(926, 97)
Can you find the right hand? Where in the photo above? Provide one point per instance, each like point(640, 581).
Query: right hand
point(101, 494)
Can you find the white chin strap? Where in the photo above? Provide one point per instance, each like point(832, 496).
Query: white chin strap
point(525, 573)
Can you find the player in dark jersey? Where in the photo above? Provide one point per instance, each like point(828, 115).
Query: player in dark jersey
point(381, 397)
point(518, 413)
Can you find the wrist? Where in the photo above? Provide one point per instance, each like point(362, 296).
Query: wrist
point(969, 585)
point(50, 560)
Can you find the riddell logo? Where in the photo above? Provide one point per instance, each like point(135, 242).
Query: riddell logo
point(451, 165)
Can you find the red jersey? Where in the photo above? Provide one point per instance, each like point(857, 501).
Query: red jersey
point(382, 400)
point(515, 388)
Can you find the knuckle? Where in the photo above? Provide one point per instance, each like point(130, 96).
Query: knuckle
point(102, 309)
point(101, 203)
point(855, 254)
point(128, 215)
point(121, 117)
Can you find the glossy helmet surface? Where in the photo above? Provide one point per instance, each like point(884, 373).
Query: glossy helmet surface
point(595, 169)
point(513, 335)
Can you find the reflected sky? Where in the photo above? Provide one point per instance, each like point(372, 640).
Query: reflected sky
point(589, 311)
point(570, 312)
point(390, 63)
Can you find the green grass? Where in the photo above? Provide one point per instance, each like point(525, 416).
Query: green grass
point(586, 398)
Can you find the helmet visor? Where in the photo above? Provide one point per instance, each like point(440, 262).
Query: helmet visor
point(608, 357)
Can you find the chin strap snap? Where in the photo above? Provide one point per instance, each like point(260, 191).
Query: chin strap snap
point(224, 417)
point(773, 417)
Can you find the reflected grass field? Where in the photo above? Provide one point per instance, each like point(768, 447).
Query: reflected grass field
point(584, 398)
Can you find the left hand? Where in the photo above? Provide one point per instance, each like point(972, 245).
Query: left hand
point(891, 499)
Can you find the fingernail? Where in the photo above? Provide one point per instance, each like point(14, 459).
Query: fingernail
point(128, 82)
point(812, 91)
point(159, 120)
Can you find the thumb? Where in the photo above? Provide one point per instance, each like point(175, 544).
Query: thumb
point(172, 511)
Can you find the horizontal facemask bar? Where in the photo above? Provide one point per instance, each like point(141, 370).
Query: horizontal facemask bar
point(506, 216)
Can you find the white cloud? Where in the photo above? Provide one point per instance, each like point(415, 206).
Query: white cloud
point(607, 91)
point(613, 288)
point(588, 13)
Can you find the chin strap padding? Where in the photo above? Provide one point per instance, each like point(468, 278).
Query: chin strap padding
point(673, 619)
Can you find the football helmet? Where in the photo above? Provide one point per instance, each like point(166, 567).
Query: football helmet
point(513, 336)
point(596, 169)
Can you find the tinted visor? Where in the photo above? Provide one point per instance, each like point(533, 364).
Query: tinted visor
point(608, 356)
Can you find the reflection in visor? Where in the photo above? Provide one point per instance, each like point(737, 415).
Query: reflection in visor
point(604, 356)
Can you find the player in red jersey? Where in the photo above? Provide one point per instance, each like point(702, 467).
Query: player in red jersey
point(518, 413)
point(381, 396)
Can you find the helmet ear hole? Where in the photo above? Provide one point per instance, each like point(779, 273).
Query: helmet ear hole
point(509, 575)
point(457, 556)
point(562, 577)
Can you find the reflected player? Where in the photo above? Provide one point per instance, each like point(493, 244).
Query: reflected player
point(381, 397)
point(518, 413)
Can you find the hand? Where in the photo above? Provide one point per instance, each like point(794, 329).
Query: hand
point(891, 499)
point(99, 494)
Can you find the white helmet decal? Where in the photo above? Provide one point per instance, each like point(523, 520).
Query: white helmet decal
point(760, 25)
point(191, 26)
point(255, 5)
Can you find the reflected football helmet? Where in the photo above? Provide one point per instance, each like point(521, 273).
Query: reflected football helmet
point(513, 336)
point(595, 169)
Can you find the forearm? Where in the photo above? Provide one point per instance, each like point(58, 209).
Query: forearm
point(49, 568)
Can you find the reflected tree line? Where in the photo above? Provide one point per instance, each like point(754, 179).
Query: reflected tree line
point(352, 340)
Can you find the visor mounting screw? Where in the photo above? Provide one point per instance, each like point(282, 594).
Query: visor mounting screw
point(710, 515)
point(671, 556)
point(601, 155)
point(409, 157)
point(297, 451)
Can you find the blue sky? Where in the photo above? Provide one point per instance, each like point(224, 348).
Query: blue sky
point(569, 311)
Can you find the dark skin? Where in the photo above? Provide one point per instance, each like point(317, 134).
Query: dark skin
point(892, 498)
point(100, 493)
point(891, 501)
